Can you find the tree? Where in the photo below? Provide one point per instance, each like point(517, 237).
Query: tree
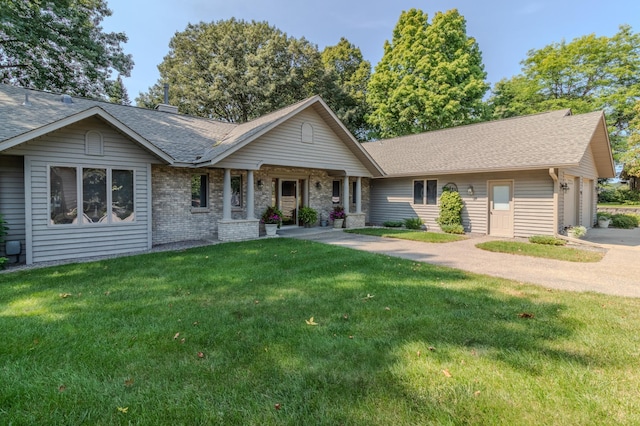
point(589, 73)
point(349, 73)
point(631, 155)
point(235, 71)
point(117, 93)
point(59, 45)
point(430, 76)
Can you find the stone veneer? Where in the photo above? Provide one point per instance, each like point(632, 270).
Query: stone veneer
point(238, 230)
point(175, 220)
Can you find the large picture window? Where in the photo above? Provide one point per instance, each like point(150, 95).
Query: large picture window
point(199, 185)
point(96, 203)
point(236, 192)
point(425, 191)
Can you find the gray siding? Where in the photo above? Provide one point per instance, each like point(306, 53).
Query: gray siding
point(585, 170)
point(12, 199)
point(283, 146)
point(392, 199)
point(66, 147)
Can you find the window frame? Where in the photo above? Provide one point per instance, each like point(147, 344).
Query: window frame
point(240, 193)
point(204, 193)
point(108, 215)
point(427, 197)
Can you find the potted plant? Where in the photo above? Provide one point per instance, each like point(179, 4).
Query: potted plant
point(604, 219)
point(307, 216)
point(272, 218)
point(337, 216)
point(576, 231)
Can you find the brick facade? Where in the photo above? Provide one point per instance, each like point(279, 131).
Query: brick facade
point(175, 220)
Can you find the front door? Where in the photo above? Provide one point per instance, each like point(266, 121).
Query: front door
point(289, 201)
point(571, 201)
point(501, 209)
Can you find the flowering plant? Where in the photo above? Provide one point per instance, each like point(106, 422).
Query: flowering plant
point(272, 215)
point(337, 213)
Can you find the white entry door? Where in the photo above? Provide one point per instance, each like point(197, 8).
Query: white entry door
point(587, 203)
point(501, 209)
point(571, 201)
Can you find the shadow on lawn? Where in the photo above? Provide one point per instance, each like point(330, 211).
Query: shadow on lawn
point(251, 302)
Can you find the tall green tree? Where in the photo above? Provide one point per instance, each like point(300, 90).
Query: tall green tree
point(348, 74)
point(430, 77)
point(118, 93)
point(233, 70)
point(631, 153)
point(587, 74)
point(59, 45)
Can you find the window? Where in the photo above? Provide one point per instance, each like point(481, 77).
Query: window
point(335, 197)
point(199, 185)
point(353, 193)
point(236, 192)
point(75, 189)
point(430, 196)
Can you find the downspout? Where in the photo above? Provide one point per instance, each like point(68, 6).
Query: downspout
point(554, 176)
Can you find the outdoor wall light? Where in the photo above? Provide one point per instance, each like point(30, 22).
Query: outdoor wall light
point(470, 190)
point(564, 186)
point(260, 184)
point(318, 185)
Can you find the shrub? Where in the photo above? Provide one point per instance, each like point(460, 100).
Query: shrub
point(577, 231)
point(604, 215)
point(547, 239)
point(621, 195)
point(337, 213)
point(413, 223)
point(450, 218)
point(308, 215)
point(624, 221)
point(272, 215)
point(452, 229)
point(393, 223)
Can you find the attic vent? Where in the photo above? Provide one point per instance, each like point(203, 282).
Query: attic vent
point(93, 144)
point(167, 108)
point(307, 133)
point(66, 99)
point(26, 102)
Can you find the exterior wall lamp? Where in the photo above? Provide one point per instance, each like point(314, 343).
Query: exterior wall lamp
point(564, 186)
point(260, 184)
point(470, 190)
point(318, 185)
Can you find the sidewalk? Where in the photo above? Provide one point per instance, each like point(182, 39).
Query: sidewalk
point(617, 274)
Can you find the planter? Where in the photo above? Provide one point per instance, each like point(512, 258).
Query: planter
point(337, 223)
point(604, 223)
point(271, 229)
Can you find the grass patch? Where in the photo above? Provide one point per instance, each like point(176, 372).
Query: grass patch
point(405, 234)
point(396, 342)
point(542, 250)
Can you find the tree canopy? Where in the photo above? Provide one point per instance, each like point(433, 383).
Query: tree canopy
point(587, 74)
point(430, 77)
point(59, 45)
point(233, 70)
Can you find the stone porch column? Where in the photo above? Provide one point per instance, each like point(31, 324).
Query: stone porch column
point(250, 196)
point(359, 195)
point(226, 195)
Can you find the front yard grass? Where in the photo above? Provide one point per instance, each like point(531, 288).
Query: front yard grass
point(405, 234)
point(281, 331)
point(542, 250)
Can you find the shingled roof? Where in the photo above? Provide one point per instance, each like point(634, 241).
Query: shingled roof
point(540, 141)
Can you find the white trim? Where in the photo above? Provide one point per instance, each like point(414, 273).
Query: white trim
point(28, 211)
point(149, 189)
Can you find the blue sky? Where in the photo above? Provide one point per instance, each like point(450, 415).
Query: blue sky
point(505, 29)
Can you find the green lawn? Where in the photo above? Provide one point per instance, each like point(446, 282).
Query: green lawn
point(223, 335)
point(542, 250)
point(406, 234)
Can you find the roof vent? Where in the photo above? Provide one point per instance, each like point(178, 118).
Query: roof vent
point(26, 102)
point(66, 99)
point(165, 107)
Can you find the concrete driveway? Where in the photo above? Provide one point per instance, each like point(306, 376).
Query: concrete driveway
point(617, 274)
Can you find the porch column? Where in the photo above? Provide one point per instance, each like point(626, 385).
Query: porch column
point(359, 194)
point(226, 195)
point(250, 196)
point(345, 192)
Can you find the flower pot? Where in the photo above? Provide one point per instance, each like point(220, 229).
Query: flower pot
point(604, 223)
point(271, 229)
point(337, 223)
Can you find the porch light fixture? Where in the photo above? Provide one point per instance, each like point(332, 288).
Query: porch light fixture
point(564, 186)
point(318, 185)
point(260, 184)
point(470, 190)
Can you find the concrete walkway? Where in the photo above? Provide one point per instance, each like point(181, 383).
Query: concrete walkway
point(617, 274)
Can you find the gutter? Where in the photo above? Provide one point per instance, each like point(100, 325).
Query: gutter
point(554, 176)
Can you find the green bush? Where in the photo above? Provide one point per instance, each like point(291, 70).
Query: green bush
point(621, 195)
point(547, 239)
point(604, 215)
point(452, 229)
point(450, 219)
point(413, 223)
point(393, 223)
point(624, 221)
point(308, 216)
